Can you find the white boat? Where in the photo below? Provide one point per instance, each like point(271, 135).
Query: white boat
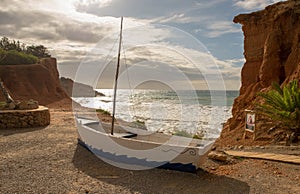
point(144, 150)
point(138, 149)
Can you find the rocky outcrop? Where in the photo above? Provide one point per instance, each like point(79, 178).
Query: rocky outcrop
point(39, 82)
point(219, 156)
point(81, 90)
point(272, 52)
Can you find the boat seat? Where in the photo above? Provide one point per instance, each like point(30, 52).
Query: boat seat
point(130, 135)
point(125, 135)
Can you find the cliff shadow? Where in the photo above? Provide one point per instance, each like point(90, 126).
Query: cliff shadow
point(155, 180)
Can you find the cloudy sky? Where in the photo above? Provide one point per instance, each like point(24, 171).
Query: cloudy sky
point(71, 29)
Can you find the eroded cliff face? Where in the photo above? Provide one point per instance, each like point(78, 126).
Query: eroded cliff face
point(81, 90)
point(272, 52)
point(37, 81)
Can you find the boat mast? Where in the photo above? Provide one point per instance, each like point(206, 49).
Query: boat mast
point(116, 80)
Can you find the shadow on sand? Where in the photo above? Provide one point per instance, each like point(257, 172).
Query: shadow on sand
point(7, 132)
point(156, 180)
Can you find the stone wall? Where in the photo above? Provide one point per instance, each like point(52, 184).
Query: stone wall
point(24, 118)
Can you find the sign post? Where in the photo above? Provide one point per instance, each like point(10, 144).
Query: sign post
point(250, 123)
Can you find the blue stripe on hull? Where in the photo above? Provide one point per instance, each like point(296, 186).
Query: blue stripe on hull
point(142, 162)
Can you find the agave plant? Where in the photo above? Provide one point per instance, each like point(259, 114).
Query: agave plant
point(283, 106)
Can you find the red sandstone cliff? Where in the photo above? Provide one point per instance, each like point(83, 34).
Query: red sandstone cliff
point(37, 81)
point(272, 52)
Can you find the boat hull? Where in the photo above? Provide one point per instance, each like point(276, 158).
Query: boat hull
point(137, 154)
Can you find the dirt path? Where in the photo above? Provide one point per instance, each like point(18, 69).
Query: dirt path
point(48, 160)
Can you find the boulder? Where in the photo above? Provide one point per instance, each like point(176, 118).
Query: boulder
point(218, 156)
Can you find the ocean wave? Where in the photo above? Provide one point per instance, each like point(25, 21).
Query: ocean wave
point(162, 111)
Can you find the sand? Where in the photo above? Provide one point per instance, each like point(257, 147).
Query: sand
point(49, 160)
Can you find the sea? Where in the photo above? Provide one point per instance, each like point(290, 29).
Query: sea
point(200, 112)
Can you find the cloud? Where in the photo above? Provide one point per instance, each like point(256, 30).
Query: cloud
point(55, 6)
point(230, 68)
point(254, 4)
point(71, 28)
point(82, 32)
point(155, 10)
point(35, 25)
point(21, 18)
point(219, 28)
point(178, 18)
point(142, 9)
point(169, 59)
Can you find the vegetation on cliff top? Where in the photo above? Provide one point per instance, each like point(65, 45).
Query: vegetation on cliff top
point(282, 105)
point(14, 57)
point(13, 52)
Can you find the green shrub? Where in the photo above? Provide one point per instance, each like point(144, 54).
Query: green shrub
point(103, 111)
point(138, 124)
point(2, 105)
point(13, 57)
point(183, 134)
point(186, 134)
point(39, 51)
point(197, 136)
point(282, 105)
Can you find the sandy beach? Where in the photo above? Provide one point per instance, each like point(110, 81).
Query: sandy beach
point(49, 160)
point(173, 46)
